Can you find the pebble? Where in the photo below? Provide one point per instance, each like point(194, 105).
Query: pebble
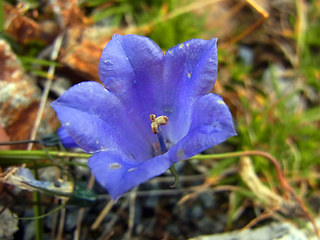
point(8, 224)
point(274, 231)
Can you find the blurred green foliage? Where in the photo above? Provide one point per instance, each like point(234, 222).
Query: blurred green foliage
point(177, 30)
point(116, 11)
point(282, 122)
point(166, 33)
point(310, 59)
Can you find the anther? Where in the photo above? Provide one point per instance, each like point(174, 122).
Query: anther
point(154, 127)
point(152, 117)
point(156, 121)
point(162, 120)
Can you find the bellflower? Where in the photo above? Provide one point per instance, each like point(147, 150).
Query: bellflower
point(140, 83)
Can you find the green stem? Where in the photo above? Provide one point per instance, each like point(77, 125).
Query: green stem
point(44, 215)
point(2, 19)
point(232, 154)
point(41, 155)
point(175, 174)
point(38, 154)
point(38, 157)
point(37, 209)
point(30, 156)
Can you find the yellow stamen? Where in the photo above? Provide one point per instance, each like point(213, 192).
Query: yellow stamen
point(157, 121)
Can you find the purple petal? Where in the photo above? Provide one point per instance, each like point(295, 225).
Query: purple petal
point(190, 71)
point(65, 138)
point(118, 173)
point(96, 119)
point(131, 67)
point(211, 124)
point(192, 65)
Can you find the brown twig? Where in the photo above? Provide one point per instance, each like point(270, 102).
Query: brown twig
point(102, 215)
point(61, 224)
point(265, 215)
point(264, 16)
point(81, 212)
point(132, 202)
point(45, 94)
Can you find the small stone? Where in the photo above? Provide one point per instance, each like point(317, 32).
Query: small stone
point(173, 229)
point(20, 99)
point(24, 29)
point(84, 47)
point(8, 224)
point(4, 138)
point(208, 225)
point(207, 198)
point(283, 231)
point(197, 212)
point(71, 219)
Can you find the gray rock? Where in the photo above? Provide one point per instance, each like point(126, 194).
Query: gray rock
point(283, 231)
point(8, 224)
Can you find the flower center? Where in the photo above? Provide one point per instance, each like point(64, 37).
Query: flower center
point(156, 122)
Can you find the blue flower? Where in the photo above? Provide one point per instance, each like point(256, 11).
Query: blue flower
point(112, 120)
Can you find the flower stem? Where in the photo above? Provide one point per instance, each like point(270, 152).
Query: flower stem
point(37, 210)
point(38, 155)
point(175, 174)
